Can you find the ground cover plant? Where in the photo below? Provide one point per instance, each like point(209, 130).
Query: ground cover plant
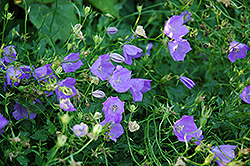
point(125, 82)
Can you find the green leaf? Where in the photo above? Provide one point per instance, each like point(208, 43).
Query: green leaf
point(22, 160)
point(55, 21)
point(106, 6)
point(41, 135)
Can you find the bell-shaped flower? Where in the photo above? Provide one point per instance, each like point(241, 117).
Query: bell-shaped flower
point(9, 54)
point(66, 88)
point(120, 80)
point(224, 154)
point(71, 62)
point(43, 73)
point(80, 130)
point(139, 86)
point(174, 27)
point(178, 49)
point(3, 122)
point(129, 52)
point(237, 50)
point(115, 131)
point(186, 125)
point(13, 76)
point(187, 82)
point(111, 30)
point(102, 67)
point(245, 94)
point(113, 107)
point(66, 105)
point(22, 112)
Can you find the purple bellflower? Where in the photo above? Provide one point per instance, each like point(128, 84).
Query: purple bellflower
point(66, 105)
point(178, 49)
point(102, 67)
point(187, 82)
point(71, 62)
point(225, 153)
point(111, 30)
point(186, 16)
point(22, 112)
point(174, 27)
point(9, 54)
point(3, 122)
point(245, 94)
point(139, 86)
point(120, 80)
point(80, 130)
point(185, 125)
point(43, 73)
point(113, 108)
point(66, 88)
point(13, 74)
point(237, 50)
point(129, 52)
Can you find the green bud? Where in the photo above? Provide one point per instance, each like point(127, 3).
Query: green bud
point(65, 119)
point(96, 130)
point(9, 15)
point(132, 108)
point(58, 70)
point(61, 140)
point(139, 8)
point(87, 10)
point(97, 39)
point(6, 7)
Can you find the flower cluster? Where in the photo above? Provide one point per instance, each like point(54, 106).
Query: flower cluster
point(175, 29)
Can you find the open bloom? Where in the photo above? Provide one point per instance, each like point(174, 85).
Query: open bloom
point(174, 27)
point(80, 130)
point(66, 88)
point(187, 82)
point(139, 86)
point(22, 112)
point(237, 50)
point(129, 52)
point(102, 67)
point(43, 73)
point(178, 49)
point(71, 62)
point(185, 125)
point(115, 131)
point(111, 30)
point(120, 80)
point(245, 94)
point(9, 54)
point(225, 153)
point(3, 122)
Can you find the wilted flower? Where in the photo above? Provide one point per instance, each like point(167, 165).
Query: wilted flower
point(245, 94)
point(129, 52)
point(71, 62)
point(61, 140)
point(22, 112)
point(187, 82)
point(185, 125)
point(237, 50)
point(174, 27)
point(97, 116)
point(140, 31)
point(120, 80)
point(116, 58)
point(66, 88)
point(65, 119)
point(98, 94)
point(178, 49)
point(80, 130)
point(9, 54)
point(226, 2)
point(66, 105)
point(225, 153)
point(139, 86)
point(96, 130)
point(15, 139)
point(133, 126)
point(102, 67)
point(111, 30)
point(179, 162)
point(3, 122)
point(77, 28)
point(186, 16)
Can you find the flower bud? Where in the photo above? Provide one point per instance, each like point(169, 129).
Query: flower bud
point(111, 30)
point(6, 7)
point(87, 10)
point(58, 70)
point(61, 140)
point(77, 28)
point(96, 130)
point(98, 94)
point(9, 15)
point(97, 116)
point(116, 57)
point(16, 139)
point(133, 126)
point(97, 39)
point(65, 119)
point(139, 8)
point(132, 108)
